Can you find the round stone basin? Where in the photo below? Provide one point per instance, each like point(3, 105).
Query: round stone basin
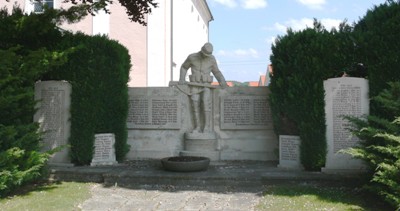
point(185, 163)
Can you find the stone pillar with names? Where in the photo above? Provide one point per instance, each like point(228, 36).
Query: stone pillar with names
point(53, 114)
point(346, 96)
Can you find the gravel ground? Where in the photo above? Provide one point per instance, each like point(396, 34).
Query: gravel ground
point(172, 198)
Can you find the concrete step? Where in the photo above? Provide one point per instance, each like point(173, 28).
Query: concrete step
point(232, 173)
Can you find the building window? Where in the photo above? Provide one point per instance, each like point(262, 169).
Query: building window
point(38, 6)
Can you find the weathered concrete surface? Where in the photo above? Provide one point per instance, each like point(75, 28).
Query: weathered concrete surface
point(229, 173)
point(154, 197)
point(145, 185)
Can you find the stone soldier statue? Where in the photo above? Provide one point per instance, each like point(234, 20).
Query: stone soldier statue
point(202, 64)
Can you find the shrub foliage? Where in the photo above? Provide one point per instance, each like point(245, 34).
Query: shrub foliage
point(380, 145)
point(98, 70)
point(21, 64)
point(301, 61)
point(378, 47)
point(33, 48)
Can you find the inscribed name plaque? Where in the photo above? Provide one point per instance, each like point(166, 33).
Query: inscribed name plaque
point(289, 152)
point(154, 113)
point(53, 116)
point(104, 151)
point(245, 112)
point(344, 96)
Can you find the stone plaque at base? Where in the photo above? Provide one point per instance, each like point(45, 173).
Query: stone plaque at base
point(346, 96)
point(289, 152)
point(104, 151)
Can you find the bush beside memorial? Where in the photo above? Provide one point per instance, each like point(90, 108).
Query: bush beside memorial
point(98, 70)
point(372, 45)
point(378, 46)
point(301, 61)
point(380, 145)
point(22, 62)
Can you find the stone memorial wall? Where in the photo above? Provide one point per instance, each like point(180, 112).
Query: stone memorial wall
point(104, 151)
point(53, 116)
point(241, 120)
point(344, 96)
point(159, 112)
point(245, 112)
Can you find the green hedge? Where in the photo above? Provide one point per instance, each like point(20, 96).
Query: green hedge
point(98, 70)
point(301, 62)
point(377, 36)
point(22, 62)
point(378, 43)
point(380, 145)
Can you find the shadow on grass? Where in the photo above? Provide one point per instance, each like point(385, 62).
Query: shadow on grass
point(224, 178)
point(38, 186)
point(354, 197)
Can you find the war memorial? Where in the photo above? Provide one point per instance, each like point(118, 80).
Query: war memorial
point(194, 119)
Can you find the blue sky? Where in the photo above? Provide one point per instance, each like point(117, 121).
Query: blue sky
point(243, 30)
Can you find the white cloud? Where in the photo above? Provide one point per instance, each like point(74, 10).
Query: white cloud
point(297, 25)
point(330, 23)
point(246, 4)
point(254, 4)
point(239, 53)
point(280, 27)
point(227, 3)
point(301, 24)
point(312, 4)
point(246, 52)
point(270, 40)
point(222, 53)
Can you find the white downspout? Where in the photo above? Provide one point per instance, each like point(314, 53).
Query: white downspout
point(172, 41)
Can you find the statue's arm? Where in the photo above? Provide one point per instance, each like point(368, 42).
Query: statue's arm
point(218, 75)
point(184, 68)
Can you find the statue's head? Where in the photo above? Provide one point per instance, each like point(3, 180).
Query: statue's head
point(207, 49)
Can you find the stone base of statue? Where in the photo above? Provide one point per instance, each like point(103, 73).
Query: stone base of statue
point(201, 144)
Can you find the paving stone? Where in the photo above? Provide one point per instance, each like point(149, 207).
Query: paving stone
point(119, 198)
point(144, 185)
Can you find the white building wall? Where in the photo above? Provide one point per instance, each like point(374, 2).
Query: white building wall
point(159, 44)
point(190, 32)
point(157, 53)
point(101, 23)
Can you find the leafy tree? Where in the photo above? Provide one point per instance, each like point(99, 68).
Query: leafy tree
point(20, 67)
point(302, 61)
point(136, 10)
point(20, 158)
point(378, 47)
point(98, 70)
point(380, 145)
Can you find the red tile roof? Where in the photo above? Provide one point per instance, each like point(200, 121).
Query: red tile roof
point(216, 83)
point(253, 83)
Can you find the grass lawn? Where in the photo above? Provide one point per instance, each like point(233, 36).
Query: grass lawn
point(286, 197)
point(311, 197)
point(57, 196)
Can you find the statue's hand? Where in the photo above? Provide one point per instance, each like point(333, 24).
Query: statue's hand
point(224, 85)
